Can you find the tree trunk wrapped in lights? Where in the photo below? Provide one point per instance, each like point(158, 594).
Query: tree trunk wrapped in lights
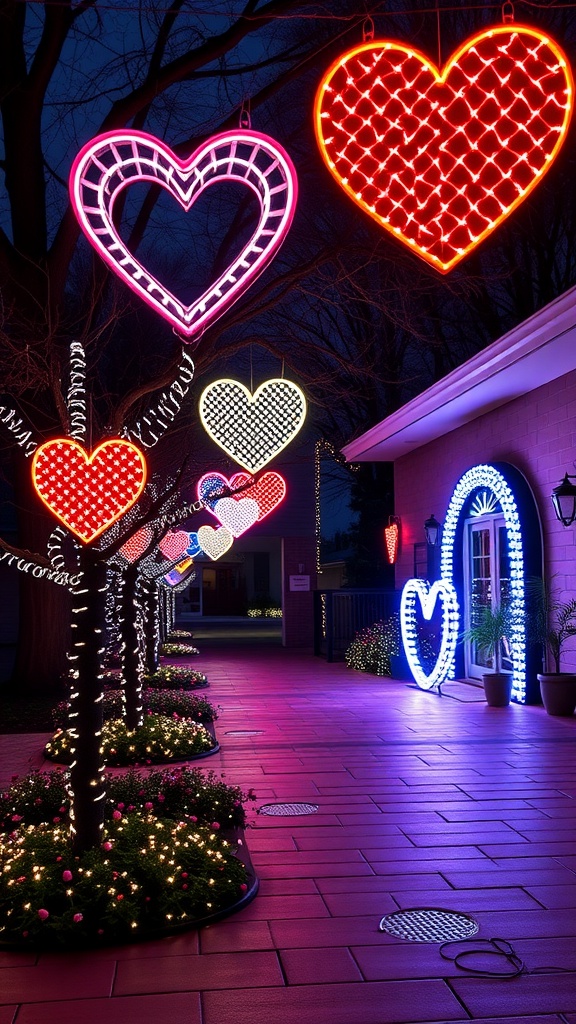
point(151, 611)
point(131, 647)
point(87, 791)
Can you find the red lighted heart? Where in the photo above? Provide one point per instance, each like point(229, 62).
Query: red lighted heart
point(174, 544)
point(268, 491)
point(439, 159)
point(137, 544)
point(88, 493)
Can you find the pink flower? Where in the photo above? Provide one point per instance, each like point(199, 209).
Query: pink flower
point(58, 859)
point(62, 810)
point(215, 825)
point(119, 897)
point(121, 807)
point(185, 886)
point(184, 874)
point(142, 792)
point(130, 807)
point(106, 846)
point(100, 931)
point(38, 800)
point(117, 815)
point(77, 918)
point(43, 914)
point(193, 818)
point(243, 887)
point(148, 806)
point(67, 876)
point(21, 879)
point(161, 798)
point(56, 820)
point(16, 817)
point(24, 935)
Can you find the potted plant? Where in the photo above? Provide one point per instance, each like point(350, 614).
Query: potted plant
point(552, 624)
point(494, 625)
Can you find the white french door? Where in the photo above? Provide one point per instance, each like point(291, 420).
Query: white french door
point(486, 582)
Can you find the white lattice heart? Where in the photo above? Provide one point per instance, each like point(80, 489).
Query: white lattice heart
point(237, 514)
point(252, 429)
point(109, 163)
point(215, 543)
point(418, 593)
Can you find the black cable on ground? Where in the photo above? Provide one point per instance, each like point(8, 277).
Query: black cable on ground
point(496, 947)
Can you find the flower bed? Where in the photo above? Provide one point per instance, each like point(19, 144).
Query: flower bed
point(158, 740)
point(180, 792)
point(150, 875)
point(180, 634)
point(172, 677)
point(178, 650)
point(176, 703)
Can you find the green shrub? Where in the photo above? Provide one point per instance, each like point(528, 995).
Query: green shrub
point(372, 648)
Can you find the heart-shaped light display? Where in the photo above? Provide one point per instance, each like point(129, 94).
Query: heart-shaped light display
point(391, 538)
point(215, 543)
point(237, 514)
point(419, 595)
point(137, 544)
point(111, 162)
point(440, 158)
point(174, 543)
point(252, 429)
point(88, 493)
point(268, 491)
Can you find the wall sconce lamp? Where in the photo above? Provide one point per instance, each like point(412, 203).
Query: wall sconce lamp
point(391, 538)
point(433, 531)
point(564, 500)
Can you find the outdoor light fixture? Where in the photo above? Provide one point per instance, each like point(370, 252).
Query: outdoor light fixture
point(433, 530)
point(564, 500)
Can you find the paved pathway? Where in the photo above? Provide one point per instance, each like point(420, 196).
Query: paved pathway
point(423, 802)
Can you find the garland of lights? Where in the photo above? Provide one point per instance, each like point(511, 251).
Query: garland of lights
point(21, 431)
point(88, 492)
point(489, 478)
point(109, 163)
point(252, 428)
point(323, 446)
point(76, 399)
point(419, 594)
point(159, 417)
point(40, 572)
point(440, 158)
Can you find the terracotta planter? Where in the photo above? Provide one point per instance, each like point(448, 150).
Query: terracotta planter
point(497, 688)
point(558, 691)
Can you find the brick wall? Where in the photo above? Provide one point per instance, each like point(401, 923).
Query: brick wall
point(537, 435)
point(298, 558)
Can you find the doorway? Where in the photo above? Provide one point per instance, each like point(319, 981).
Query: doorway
point(486, 584)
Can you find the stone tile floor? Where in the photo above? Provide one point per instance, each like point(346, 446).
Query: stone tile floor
point(423, 802)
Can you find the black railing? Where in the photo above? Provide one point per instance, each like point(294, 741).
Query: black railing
point(340, 614)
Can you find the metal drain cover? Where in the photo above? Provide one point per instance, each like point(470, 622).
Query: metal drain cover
point(244, 732)
point(429, 925)
point(287, 810)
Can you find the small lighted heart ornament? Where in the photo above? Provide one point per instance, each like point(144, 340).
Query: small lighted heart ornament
point(252, 428)
point(108, 164)
point(88, 493)
point(391, 535)
point(440, 158)
point(136, 545)
point(419, 598)
point(174, 544)
point(215, 543)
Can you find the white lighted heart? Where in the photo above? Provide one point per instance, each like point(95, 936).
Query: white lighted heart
point(109, 163)
point(215, 543)
point(238, 515)
point(252, 429)
point(419, 594)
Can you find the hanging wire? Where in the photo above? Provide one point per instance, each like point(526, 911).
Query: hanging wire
point(245, 121)
point(508, 12)
point(438, 34)
point(368, 31)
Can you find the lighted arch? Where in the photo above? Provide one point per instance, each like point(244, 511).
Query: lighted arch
point(491, 479)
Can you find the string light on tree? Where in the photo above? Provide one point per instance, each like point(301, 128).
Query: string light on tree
point(440, 158)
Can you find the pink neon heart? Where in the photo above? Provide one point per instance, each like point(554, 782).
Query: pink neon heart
point(174, 544)
point(137, 544)
point(111, 162)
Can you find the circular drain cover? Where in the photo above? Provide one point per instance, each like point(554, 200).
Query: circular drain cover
point(244, 732)
point(288, 809)
point(428, 925)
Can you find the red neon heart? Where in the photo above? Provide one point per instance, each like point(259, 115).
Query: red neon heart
point(174, 544)
point(439, 159)
point(136, 545)
point(106, 165)
point(88, 492)
point(391, 538)
point(268, 491)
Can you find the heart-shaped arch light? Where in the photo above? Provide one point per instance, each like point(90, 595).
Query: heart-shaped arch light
point(420, 593)
point(114, 160)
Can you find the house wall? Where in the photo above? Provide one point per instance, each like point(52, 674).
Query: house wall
point(537, 435)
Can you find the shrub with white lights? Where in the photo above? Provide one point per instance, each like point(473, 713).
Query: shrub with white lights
point(176, 703)
point(158, 740)
point(172, 677)
point(373, 647)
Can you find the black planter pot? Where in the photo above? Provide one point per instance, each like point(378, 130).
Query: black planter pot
point(558, 691)
point(497, 688)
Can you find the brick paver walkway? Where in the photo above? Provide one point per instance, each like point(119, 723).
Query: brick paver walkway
point(423, 802)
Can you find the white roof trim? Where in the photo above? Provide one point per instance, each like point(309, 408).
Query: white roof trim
point(534, 353)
